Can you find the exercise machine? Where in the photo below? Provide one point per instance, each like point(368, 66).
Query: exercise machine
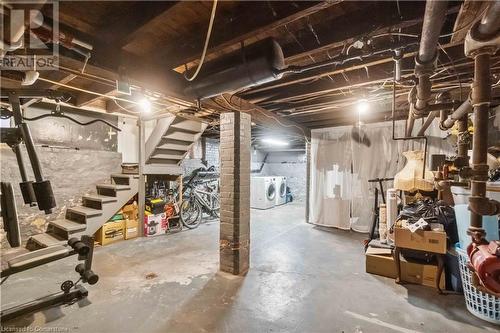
point(37, 193)
point(70, 291)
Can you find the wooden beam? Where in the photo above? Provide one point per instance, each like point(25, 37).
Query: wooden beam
point(126, 27)
point(323, 87)
point(246, 27)
point(352, 120)
point(335, 38)
point(260, 116)
point(83, 98)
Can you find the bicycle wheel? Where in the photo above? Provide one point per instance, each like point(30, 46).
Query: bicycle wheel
point(215, 212)
point(190, 213)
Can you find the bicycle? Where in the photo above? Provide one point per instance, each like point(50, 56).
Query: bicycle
point(202, 197)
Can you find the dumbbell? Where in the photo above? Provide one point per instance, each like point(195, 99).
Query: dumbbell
point(87, 275)
point(80, 247)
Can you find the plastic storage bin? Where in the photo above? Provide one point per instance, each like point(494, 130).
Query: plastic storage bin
point(462, 216)
point(481, 305)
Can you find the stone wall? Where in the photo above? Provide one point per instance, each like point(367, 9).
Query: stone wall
point(193, 159)
point(72, 173)
point(212, 152)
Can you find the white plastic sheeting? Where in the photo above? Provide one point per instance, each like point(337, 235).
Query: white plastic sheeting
point(341, 168)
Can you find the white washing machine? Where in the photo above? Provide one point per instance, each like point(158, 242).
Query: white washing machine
point(280, 190)
point(263, 192)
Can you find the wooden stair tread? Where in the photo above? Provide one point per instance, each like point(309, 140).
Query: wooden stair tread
point(114, 187)
point(85, 211)
point(48, 239)
point(68, 225)
point(100, 198)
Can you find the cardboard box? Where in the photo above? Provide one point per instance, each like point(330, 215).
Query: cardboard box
point(155, 225)
point(380, 262)
point(430, 241)
point(131, 229)
point(420, 274)
point(110, 232)
point(131, 211)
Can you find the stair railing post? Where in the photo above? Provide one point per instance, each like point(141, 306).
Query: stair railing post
point(142, 181)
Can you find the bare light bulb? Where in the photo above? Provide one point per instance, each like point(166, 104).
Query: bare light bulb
point(363, 106)
point(145, 105)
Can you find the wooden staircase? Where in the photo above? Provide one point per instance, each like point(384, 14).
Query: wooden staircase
point(96, 209)
point(166, 147)
point(169, 143)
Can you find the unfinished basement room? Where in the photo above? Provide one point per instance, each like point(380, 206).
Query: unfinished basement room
point(250, 166)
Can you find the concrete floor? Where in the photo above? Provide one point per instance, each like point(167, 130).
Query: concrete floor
point(302, 279)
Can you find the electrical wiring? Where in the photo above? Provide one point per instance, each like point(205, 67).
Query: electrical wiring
point(454, 68)
point(86, 91)
point(205, 47)
point(124, 109)
point(467, 25)
point(394, 34)
point(268, 116)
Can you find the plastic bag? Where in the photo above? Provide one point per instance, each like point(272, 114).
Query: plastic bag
point(432, 212)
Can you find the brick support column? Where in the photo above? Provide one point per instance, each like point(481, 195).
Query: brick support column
point(235, 192)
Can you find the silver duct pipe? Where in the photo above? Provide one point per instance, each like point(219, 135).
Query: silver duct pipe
point(448, 122)
point(443, 99)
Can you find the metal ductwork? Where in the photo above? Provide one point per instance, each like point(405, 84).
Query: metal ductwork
point(249, 66)
point(435, 14)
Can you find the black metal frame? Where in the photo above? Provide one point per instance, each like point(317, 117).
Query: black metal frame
point(39, 191)
point(71, 292)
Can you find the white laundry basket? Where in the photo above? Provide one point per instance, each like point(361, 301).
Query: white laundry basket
point(481, 305)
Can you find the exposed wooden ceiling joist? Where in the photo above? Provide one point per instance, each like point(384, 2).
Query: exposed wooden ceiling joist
point(260, 116)
point(233, 33)
point(135, 17)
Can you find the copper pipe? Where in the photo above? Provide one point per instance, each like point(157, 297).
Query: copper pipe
point(481, 94)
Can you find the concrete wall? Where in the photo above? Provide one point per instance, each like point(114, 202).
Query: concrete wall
point(61, 132)
point(72, 173)
point(291, 164)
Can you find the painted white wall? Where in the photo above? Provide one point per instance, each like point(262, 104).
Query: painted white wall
point(128, 140)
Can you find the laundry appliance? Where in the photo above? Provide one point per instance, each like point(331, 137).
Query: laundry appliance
point(280, 190)
point(263, 192)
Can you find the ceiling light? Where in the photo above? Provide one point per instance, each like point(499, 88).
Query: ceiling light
point(274, 142)
point(145, 105)
point(362, 106)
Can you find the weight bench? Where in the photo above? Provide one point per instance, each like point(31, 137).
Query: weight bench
point(35, 258)
point(70, 291)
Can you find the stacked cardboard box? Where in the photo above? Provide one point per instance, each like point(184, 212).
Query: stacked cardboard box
point(381, 262)
point(123, 225)
point(110, 232)
point(131, 212)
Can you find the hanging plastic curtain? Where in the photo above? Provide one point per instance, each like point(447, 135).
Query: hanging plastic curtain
point(340, 194)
